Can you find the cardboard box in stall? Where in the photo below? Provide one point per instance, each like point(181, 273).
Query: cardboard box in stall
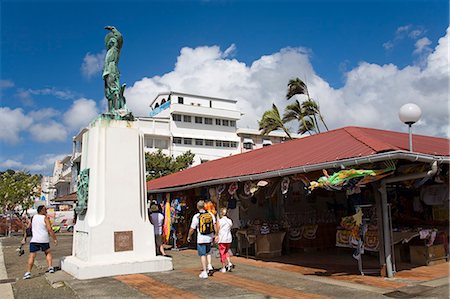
point(423, 255)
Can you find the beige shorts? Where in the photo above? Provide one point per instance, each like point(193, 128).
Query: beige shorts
point(158, 240)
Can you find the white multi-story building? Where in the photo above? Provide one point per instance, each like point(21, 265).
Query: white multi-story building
point(62, 176)
point(204, 125)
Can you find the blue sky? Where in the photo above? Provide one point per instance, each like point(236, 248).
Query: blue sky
point(356, 56)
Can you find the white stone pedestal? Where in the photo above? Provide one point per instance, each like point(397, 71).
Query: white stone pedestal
point(114, 237)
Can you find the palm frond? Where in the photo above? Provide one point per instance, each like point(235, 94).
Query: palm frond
point(296, 86)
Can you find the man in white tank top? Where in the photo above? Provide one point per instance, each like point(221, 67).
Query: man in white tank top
point(40, 228)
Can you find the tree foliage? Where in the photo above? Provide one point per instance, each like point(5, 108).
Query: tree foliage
point(309, 108)
point(18, 189)
point(305, 113)
point(158, 164)
point(271, 121)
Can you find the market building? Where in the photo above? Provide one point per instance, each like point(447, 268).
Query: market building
point(355, 192)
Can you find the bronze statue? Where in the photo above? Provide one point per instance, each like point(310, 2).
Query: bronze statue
point(111, 74)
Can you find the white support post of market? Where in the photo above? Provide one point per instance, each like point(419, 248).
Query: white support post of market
point(384, 206)
point(387, 248)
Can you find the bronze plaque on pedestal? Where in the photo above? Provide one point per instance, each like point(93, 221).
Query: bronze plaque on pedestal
point(123, 241)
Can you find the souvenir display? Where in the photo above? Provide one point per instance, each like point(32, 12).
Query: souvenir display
point(247, 186)
point(350, 178)
point(262, 183)
point(285, 185)
point(232, 188)
point(167, 218)
point(220, 189)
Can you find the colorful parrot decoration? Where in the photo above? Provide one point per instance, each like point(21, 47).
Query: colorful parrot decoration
point(351, 178)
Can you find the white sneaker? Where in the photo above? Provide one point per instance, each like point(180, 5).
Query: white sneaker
point(51, 270)
point(27, 275)
point(223, 270)
point(204, 274)
point(230, 267)
point(210, 267)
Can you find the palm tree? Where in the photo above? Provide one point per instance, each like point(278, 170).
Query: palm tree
point(295, 111)
point(271, 121)
point(297, 86)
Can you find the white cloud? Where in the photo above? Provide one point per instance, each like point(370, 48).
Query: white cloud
point(371, 95)
point(25, 97)
point(42, 164)
point(49, 131)
point(80, 114)
point(43, 114)
point(6, 84)
point(12, 122)
point(60, 94)
point(402, 32)
point(422, 45)
point(92, 64)
point(230, 51)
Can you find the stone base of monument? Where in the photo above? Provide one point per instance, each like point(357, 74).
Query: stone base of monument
point(113, 235)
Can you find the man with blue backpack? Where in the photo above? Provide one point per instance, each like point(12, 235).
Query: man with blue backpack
point(205, 223)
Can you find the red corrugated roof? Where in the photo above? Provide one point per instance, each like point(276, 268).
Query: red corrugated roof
point(343, 143)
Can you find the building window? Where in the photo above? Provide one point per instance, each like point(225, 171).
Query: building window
point(177, 140)
point(248, 146)
point(266, 142)
point(209, 142)
point(232, 123)
point(208, 121)
point(176, 117)
point(187, 141)
point(156, 105)
point(234, 144)
point(218, 122)
point(198, 120)
point(225, 122)
point(161, 144)
point(148, 142)
point(198, 141)
point(210, 104)
point(218, 143)
point(187, 118)
point(180, 100)
point(163, 101)
point(226, 144)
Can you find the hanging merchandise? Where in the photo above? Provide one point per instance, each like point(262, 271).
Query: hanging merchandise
point(220, 188)
point(247, 186)
point(167, 216)
point(262, 183)
point(212, 193)
point(304, 180)
point(295, 233)
point(232, 188)
point(351, 178)
point(253, 189)
point(285, 185)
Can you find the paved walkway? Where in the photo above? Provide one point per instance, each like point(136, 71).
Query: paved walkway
point(250, 279)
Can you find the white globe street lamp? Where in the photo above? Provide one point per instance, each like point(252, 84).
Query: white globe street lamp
point(409, 114)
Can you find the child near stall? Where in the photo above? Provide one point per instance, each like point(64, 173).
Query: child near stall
point(224, 240)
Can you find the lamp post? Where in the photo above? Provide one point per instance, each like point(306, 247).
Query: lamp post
point(409, 114)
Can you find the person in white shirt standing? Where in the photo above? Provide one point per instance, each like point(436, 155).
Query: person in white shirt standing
point(157, 219)
point(224, 240)
point(205, 223)
point(40, 228)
